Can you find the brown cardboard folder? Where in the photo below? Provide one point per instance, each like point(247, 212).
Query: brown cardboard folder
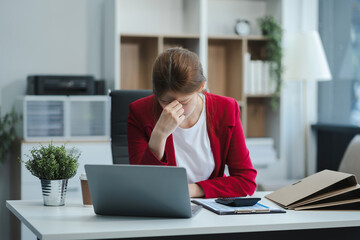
point(324, 190)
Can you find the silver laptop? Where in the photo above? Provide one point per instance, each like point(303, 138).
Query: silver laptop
point(133, 190)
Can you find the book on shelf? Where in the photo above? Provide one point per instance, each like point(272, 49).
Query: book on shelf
point(257, 76)
point(325, 190)
point(265, 77)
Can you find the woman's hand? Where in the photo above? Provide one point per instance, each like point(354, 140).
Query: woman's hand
point(171, 117)
point(195, 191)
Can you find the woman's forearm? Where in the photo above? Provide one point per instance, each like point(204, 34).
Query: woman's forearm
point(157, 144)
point(196, 191)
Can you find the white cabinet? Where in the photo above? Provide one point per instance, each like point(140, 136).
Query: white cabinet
point(98, 152)
point(82, 120)
point(66, 117)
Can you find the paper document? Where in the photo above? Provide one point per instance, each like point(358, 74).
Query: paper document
point(221, 209)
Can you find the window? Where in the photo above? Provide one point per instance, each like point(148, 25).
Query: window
point(339, 28)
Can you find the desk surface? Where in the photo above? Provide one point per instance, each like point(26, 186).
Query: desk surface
point(73, 221)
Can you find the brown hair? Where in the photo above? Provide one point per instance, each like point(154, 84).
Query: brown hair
point(178, 70)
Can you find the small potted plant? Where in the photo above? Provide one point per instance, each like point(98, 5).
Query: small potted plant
point(54, 166)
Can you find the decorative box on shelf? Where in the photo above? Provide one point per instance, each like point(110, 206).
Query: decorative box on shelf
point(66, 118)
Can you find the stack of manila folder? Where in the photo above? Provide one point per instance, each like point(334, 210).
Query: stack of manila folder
point(327, 190)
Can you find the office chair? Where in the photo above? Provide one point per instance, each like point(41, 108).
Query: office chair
point(350, 163)
point(120, 100)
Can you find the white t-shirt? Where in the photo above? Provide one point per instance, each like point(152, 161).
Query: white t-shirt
point(193, 151)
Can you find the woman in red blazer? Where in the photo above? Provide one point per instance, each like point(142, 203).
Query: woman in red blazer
point(177, 105)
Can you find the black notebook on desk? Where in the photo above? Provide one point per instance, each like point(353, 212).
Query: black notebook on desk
point(221, 209)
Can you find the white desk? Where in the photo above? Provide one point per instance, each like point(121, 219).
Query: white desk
point(73, 221)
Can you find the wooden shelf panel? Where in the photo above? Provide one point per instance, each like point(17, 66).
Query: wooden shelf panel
point(137, 57)
point(238, 37)
point(225, 67)
point(258, 95)
point(262, 119)
point(182, 36)
point(256, 117)
point(191, 44)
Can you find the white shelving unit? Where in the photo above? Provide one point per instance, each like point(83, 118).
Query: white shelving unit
point(138, 30)
point(201, 18)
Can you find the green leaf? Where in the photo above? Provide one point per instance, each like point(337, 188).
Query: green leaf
point(273, 31)
point(52, 162)
point(8, 132)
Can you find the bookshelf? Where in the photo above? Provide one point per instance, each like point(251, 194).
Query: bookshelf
point(205, 27)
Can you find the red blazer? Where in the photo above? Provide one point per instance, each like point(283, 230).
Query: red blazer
point(226, 139)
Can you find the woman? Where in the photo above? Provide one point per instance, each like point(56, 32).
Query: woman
point(181, 125)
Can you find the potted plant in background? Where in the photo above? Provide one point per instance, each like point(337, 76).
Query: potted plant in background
point(9, 171)
point(8, 133)
point(54, 166)
point(273, 32)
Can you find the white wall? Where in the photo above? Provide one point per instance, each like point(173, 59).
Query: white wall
point(222, 17)
point(44, 37)
point(47, 37)
point(155, 16)
point(301, 15)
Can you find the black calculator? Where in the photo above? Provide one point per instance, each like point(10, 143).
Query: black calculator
point(238, 201)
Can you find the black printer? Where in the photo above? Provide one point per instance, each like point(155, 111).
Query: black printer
point(60, 85)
